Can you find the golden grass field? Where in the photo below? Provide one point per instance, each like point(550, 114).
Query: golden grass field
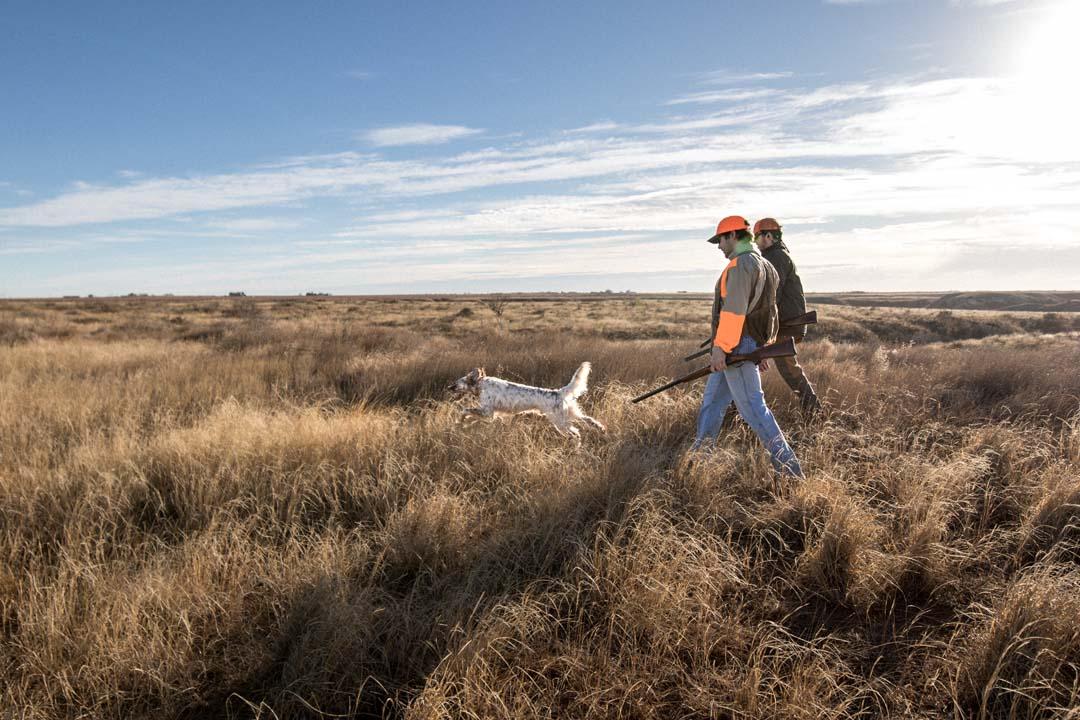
point(264, 507)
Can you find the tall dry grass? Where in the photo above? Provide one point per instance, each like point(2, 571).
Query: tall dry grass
point(255, 510)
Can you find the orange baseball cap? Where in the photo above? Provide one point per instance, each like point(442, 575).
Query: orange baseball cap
point(728, 224)
point(764, 225)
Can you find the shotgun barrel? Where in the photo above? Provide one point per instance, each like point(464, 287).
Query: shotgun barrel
point(784, 348)
point(808, 318)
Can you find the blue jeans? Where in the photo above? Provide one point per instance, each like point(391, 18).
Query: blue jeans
point(741, 383)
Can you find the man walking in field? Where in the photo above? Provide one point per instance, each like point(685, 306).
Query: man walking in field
point(790, 303)
point(743, 318)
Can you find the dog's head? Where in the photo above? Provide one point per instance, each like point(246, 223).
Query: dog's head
point(469, 383)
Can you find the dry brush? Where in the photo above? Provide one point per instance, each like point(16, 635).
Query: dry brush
point(270, 510)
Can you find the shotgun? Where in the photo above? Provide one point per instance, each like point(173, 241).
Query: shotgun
point(784, 348)
point(808, 318)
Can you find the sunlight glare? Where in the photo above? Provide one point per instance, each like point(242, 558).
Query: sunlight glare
point(1047, 111)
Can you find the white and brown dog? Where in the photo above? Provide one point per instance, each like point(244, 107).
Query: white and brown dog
point(502, 397)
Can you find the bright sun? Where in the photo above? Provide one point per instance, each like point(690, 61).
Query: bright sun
point(1051, 49)
point(1047, 94)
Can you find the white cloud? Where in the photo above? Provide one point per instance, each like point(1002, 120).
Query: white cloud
point(980, 3)
point(42, 246)
point(418, 134)
point(157, 198)
point(254, 225)
point(603, 126)
point(728, 77)
point(734, 95)
point(898, 178)
point(857, 126)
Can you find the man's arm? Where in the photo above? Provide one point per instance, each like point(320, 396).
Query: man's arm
point(733, 313)
point(740, 278)
point(716, 303)
point(782, 262)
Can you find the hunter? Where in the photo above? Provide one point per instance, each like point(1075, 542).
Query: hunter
point(743, 318)
point(790, 303)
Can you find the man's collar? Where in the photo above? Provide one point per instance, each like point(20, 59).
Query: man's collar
point(742, 247)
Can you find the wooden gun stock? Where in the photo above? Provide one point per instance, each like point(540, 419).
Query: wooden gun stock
point(807, 318)
point(784, 348)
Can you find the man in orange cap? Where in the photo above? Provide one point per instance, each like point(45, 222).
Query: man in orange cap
point(743, 318)
point(790, 303)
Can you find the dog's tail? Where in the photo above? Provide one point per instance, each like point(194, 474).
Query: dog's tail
point(580, 382)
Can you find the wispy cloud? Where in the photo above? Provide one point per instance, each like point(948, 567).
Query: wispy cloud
point(418, 134)
point(861, 128)
point(162, 197)
point(602, 126)
point(729, 77)
point(254, 225)
point(981, 3)
point(359, 74)
point(906, 176)
point(49, 245)
point(736, 95)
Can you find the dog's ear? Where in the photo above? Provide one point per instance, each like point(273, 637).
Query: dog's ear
point(480, 373)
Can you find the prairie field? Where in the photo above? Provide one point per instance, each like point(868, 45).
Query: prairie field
point(267, 508)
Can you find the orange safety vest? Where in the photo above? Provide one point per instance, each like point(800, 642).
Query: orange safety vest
point(745, 302)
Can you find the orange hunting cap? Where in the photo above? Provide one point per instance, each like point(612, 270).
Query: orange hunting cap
point(729, 224)
point(765, 225)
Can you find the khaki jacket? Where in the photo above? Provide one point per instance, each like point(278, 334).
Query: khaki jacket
point(744, 302)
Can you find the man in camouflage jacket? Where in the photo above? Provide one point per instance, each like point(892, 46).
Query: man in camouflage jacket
point(790, 303)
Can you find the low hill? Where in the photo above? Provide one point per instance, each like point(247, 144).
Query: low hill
point(1004, 301)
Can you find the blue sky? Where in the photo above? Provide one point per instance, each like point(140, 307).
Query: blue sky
point(280, 148)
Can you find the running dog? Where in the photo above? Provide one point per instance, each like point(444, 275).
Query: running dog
point(502, 397)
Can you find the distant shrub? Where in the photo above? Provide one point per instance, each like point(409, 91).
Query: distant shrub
point(13, 332)
point(241, 308)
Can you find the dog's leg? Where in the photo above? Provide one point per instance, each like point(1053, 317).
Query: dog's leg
point(471, 415)
point(564, 427)
point(579, 415)
point(593, 421)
